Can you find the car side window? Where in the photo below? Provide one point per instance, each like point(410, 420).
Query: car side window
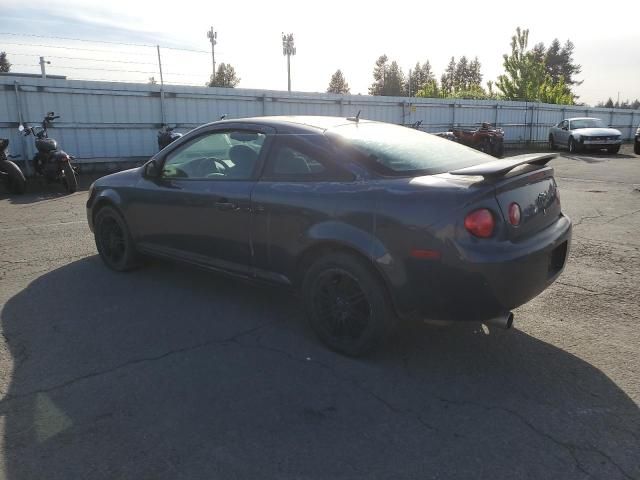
point(296, 160)
point(216, 156)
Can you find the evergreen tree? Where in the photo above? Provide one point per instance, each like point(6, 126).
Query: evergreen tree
point(5, 66)
point(379, 73)
point(225, 77)
point(338, 84)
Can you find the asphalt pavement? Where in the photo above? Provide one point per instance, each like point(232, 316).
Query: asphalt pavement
point(172, 373)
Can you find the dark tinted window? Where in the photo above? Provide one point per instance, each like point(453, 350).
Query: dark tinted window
point(303, 158)
point(396, 150)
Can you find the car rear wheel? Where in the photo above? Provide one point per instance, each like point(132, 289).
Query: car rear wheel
point(552, 143)
point(348, 305)
point(113, 240)
point(636, 147)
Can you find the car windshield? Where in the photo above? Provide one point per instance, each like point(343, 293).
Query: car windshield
point(402, 151)
point(587, 123)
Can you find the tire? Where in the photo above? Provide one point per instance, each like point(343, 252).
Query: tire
point(614, 150)
point(636, 147)
point(348, 305)
point(113, 240)
point(70, 179)
point(552, 143)
point(16, 183)
point(573, 146)
point(499, 150)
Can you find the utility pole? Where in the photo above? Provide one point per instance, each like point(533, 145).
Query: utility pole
point(44, 71)
point(161, 87)
point(288, 49)
point(213, 37)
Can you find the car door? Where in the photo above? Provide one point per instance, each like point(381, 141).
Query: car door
point(198, 208)
point(563, 137)
point(299, 190)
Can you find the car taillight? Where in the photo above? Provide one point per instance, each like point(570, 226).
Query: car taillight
point(514, 214)
point(480, 223)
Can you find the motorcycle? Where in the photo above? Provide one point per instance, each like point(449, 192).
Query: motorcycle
point(50, 162)
point(10, 173)
point(486, 138)
point(166, 135)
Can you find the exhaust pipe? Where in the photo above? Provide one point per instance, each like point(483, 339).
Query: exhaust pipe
point(502, 321)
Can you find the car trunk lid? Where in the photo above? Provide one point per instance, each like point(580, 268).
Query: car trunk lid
point(525, 180)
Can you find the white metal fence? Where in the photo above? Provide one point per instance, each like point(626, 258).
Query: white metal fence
point(110, 122)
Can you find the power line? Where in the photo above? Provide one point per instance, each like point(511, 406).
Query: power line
point(83, 58)
point(74, 48)
point(98, 41)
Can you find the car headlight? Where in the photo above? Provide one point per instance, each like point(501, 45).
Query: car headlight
point(638, 131)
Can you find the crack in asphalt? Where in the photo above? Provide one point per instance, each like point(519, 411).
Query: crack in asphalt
point(392, 408)
point(593, 292)
point(10, 398)
point(587, 217)
point(622, 216)
point(569, 447)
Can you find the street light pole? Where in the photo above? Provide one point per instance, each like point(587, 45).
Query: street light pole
point(288, 49)
point(213, 36)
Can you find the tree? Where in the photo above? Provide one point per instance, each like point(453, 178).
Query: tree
point(225, 77)
point(379, 73)
point(338, 84)
point(394, 81)
point(152, 81)
point(388, 79)
point(475, 75)
point(609, 103)
point(421, 75)
point(5, 66)
point(526, 78)
point(447, 78)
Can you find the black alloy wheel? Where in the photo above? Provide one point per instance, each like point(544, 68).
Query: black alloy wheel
point(113, 240)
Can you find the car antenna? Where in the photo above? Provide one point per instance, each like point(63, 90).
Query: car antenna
point(356, 118)
point(222, 117)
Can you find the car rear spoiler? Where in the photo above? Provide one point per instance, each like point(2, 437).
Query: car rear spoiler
point(499, 168)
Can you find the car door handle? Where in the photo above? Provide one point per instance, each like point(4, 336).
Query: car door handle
point(226, 205)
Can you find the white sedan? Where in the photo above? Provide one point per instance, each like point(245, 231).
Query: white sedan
point(578, 134)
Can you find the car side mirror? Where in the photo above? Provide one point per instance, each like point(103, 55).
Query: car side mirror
point(152, 169)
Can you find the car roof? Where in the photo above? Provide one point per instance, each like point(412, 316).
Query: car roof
point(583, 118)
point(301, 123)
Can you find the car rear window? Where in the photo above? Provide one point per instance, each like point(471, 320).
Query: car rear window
point(402, 151)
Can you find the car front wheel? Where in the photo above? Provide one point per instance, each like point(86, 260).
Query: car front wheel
point(113, 240)
point(573, 146)
point(552, 143)
point(347, 303)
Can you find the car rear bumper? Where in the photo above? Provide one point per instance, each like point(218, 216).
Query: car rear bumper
point(479, 285)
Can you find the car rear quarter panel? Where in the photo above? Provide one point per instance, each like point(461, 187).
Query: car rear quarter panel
point(293, 218)
point(423, 213)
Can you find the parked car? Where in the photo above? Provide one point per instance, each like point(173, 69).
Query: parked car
point(636, 143)
point(585, 133)
point(369, 221)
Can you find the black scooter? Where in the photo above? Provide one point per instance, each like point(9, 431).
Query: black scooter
point(166, 135)
point(10, 173)
point(50, 162)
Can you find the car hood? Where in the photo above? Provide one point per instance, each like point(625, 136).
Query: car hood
point(591, 132)
point(124, 178)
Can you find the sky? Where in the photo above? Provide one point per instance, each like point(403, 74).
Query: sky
point(349, 35)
